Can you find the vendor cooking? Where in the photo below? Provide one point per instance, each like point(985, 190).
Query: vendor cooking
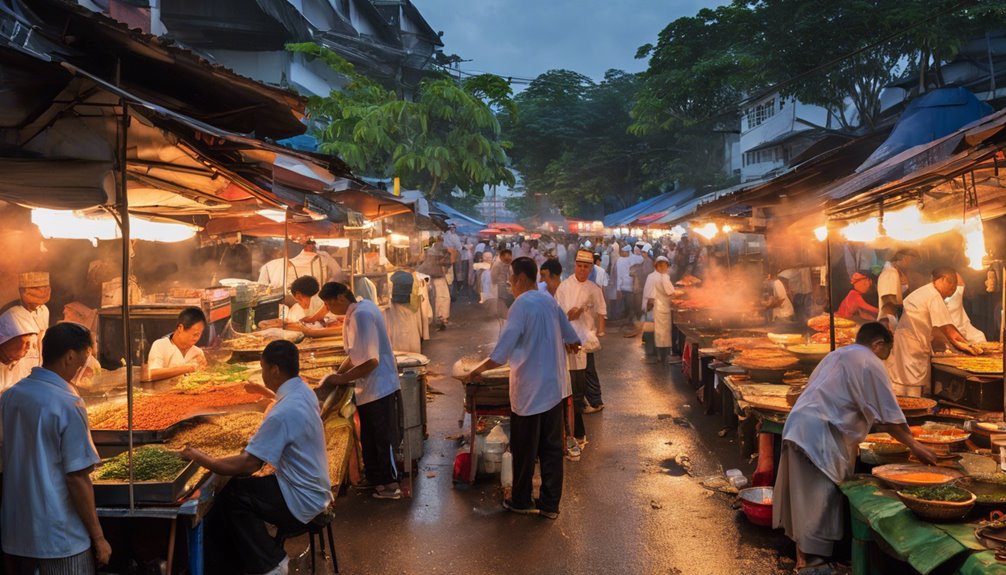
point(847, 395)
point(34, 292)
point(892, 284)
point(854, 307)
point(955, 303)
point(176, 353)
point(925, 310)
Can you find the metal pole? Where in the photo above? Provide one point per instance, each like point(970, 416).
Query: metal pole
point(123, 209)
point(286, 257)
point(831, 306)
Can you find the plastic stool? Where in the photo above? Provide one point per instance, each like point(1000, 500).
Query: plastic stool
point(320, 523)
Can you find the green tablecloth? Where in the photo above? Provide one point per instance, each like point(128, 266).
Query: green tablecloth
point(923, 545)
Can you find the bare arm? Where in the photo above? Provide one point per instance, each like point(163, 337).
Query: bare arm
point(234, 466)
point(321, 331)
point(346, 375)
point(903, 434)
point(81, 492)
point(955, 338)
point(168, 372)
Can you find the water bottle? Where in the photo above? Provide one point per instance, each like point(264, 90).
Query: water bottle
point(506, 473)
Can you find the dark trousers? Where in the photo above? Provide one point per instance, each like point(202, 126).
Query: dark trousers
point(578, 381)
point(378, 439)
point(538, 436)
point(593, 391)
point(237, 540)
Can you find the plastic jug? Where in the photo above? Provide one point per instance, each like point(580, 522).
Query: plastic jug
point(506, 473)
point(495, 446)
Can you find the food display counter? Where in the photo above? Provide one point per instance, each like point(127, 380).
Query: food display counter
point(972, 382)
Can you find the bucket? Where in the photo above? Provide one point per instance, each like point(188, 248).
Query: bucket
point(754, 506)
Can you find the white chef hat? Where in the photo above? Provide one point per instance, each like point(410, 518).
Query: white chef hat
point(16, 322)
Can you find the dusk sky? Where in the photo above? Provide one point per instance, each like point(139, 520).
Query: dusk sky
point(523, 38)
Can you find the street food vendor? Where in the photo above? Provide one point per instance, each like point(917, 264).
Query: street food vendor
point(292, 440)
point(372, 368)
point(925, 310)
point(534, 342)
point(778, 301)
point(847, 395)
point(35, 292)
point(892, 284)
point(17, 334)
point(854, 307)
point(955, 303)
point(659, 291)
point(406, 322)
point(309, 262)
point(176, 353)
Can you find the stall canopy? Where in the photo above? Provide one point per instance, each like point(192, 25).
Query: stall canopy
point(940, 173)
point(929, 118)
point(648, 211)
point(149, 67)
point(464, 222)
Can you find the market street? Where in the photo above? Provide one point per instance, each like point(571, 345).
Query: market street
point(626, 508)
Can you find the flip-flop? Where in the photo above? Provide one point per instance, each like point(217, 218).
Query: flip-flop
point(384, 493)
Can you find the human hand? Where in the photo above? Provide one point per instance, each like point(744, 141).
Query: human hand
point(188, 453)
point(925, 455)
point(474, 376)
point(573, 347)
point(574, 313)
point(102, 551)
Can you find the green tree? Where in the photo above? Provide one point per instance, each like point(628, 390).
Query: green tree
point(447, 138)
point(573, 148)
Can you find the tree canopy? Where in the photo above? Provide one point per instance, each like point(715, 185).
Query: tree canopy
point(448, 137)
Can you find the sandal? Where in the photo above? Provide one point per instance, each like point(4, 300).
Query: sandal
point(383, 492)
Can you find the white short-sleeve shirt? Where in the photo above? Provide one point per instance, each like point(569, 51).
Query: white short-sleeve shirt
point(924, 310)
point(292, 440)
point(366, 337)
point(46, 438)
point(164, 353)
point(573, 293)
point(847, 394)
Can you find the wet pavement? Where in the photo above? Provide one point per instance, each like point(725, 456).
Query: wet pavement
point(626, 506)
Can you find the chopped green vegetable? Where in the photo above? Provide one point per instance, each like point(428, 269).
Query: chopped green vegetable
point(218, 374)
point(150, 463)
point(947, 493)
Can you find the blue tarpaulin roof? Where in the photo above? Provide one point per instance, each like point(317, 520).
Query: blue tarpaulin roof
point(662, 203)
point(927, 119)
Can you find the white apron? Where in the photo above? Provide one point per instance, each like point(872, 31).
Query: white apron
point(661, 320)
point(909, 364)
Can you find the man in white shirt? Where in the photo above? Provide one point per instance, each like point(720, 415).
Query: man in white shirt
point(309, 262)
point(292, 440)
point(657, 294)
point(534, 342)
point(435, 262)
point(623, 277)
point(848, 395)
point(551, 277)
point(955, 304)
point(177, 353)
point(925, 310)
point(372, 368)
point(778, 300)
point(49, 521)
point(892, 284)
point(18, 332)
point(500, 275)
point(35, 292)
point(585, 308)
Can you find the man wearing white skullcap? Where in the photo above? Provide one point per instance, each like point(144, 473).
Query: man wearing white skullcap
point(17, 332)
point(35, 292)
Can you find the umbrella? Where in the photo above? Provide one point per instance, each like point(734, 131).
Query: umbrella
point(509, 227)
point(491, 232)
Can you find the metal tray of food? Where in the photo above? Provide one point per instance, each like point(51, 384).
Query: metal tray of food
point(120, 437)
point(116, 493)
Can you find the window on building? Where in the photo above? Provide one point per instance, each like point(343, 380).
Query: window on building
point(757, 115)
